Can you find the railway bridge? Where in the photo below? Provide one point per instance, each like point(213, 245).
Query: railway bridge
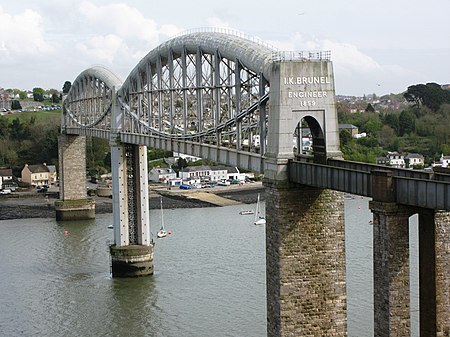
point(235, 100)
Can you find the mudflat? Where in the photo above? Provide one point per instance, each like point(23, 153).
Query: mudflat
point(33, 205)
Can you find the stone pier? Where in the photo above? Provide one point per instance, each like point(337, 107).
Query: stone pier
point(391, 269)
point(305, 253)
point(74, 203)
point(434, 273)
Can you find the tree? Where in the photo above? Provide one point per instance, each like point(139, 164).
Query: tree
point(370, 108)
point(387, 136)
point(406, 122)
point(15, 105)
point(22, 95)
point(431, 95)
point(38, 94)
point(55, 98)
point(345, 137)
point(182, 163)
point(391, 120)
point(66, 87)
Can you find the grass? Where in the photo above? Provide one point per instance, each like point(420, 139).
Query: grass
point(42, 116)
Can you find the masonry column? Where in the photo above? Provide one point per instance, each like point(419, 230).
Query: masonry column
point(442, 244)
point(390, 260)
point(74, 203)
point(305, 253)
point(434, 273)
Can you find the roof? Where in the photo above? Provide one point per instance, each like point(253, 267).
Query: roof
point(347, 126)
point(38, 168)
point(51, 168)
point(196, 168)
point(162, 170)
point(6, 172)
point(414, 155)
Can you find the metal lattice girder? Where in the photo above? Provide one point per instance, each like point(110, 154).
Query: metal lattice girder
point(88, 103)
point(207, 87)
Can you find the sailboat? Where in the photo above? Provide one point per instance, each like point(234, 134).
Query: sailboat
point(162, 232)
point(259, 219)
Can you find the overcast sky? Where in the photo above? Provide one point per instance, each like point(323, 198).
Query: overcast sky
point(377, 47)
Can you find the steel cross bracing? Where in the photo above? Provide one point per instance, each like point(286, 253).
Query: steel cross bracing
point(204, 89)
point(88, 103)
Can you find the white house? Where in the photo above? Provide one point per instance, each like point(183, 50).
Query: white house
point(200, 174)
point(161, 174)
point(396, 159)
point(414, 160)
point(234, 174)
point(195, 172)
point(444, 161)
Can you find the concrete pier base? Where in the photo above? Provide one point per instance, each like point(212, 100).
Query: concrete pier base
point(132, 260)
point(81, 209)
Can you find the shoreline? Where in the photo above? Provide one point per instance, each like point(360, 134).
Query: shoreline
point(38, 206)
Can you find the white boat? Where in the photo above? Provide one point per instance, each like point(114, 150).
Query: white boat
point(259, 219)
point(162, 232)
point(247, 212)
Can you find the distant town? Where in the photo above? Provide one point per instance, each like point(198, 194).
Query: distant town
point(386, 130)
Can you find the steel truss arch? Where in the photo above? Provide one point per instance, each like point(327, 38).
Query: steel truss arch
point(89, 101)
point(208, 87)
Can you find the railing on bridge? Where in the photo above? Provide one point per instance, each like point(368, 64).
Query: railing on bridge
point(418, 189)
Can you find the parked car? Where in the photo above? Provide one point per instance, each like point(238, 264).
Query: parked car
point(42, 189)
point(5, 191)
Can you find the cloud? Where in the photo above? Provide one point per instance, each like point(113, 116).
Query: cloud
point(22, 36)
point(121, 20)
point(217, 22)
point(354, 70)
point(101, 48)
point(123, 35)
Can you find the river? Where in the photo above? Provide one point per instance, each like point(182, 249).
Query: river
point(209, 277)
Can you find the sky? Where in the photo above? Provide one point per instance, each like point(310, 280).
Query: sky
point(378, 47)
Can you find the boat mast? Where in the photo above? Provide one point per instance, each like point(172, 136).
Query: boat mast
point(162, 215)
point(257, 209)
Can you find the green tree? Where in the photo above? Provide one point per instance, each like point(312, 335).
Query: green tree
point(182, 163)
point(373, 125)
point(3, 127)
point(38, 94)
point(391, 120)
point(66, 87)
point(370, 108)
point(22, 95)
point(15, 105)
point(406, 122)
point(431, 95)
point(387, 136)
point(55, 98)
point(345, 137)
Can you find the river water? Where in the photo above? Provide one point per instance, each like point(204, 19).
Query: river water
point(209, 277)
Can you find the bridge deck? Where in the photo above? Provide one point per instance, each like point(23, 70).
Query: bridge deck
point(413, 188)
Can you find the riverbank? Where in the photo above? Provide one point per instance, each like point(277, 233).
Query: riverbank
point(38, 206)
